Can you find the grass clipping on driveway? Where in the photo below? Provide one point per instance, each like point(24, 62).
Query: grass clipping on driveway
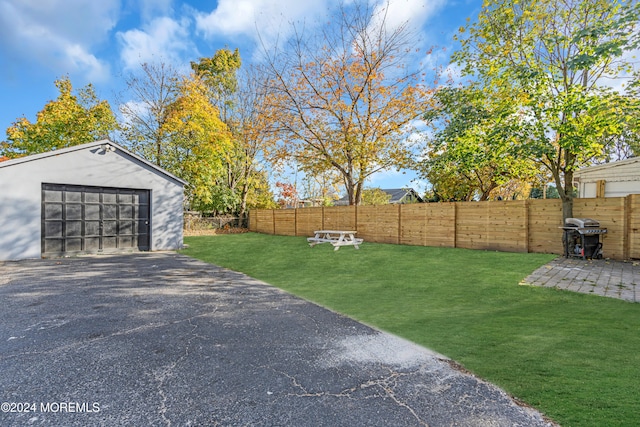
point(575, 357)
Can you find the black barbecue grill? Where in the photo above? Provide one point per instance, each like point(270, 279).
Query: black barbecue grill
point(581, 238)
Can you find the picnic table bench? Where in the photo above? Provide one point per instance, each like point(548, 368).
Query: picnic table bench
point(336, 237)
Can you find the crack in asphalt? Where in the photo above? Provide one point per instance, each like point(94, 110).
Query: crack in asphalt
point(160, 375)
point(386, 384)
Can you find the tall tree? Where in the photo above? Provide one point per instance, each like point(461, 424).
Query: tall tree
point(346, 98)
point(240, 95)
point(552, 57)
point(220, 74)
point(149, 93)
point(70, 119)
point(252, 130)
point(198, 143)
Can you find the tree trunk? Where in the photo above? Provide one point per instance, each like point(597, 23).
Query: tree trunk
point(351, 194)
point(358, 199)
point(567, 208)
point(243, 198)
point(563, 177)
point(567, 191)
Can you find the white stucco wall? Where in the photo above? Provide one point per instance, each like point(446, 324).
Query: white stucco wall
point(89, 164)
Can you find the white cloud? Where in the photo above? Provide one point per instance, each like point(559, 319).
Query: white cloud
point(58, 34)
point(95, 70)
point(258, 19)
point(162, 39)
point(229, 18)
point(414, 12)
point(152, 8)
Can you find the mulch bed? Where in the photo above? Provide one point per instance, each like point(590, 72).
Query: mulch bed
point(214, 231)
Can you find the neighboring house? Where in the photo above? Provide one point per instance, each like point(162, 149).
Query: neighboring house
point(615, 179)
point(309, 203)
point(91, 198)
point(398, 196)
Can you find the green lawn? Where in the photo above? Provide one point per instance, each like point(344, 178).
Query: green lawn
point(575, 357)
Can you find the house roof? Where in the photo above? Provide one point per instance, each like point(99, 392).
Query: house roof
point(100, 144)
point(396, 195)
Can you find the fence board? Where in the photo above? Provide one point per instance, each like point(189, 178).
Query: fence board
point(633, 227)
point(340, 218)
point(308, 221)
point(284, 222)
point(413, 226)
point(379, 223)
point(545, 220)
point(264, 221)
point(610, 213)
point(441, 225)
point(471, 225)
point(253, 220)
point(507, 226)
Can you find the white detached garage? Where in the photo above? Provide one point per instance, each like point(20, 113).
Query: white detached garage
point(90, 198)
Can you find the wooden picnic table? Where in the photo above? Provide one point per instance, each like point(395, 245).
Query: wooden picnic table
point(337, 238)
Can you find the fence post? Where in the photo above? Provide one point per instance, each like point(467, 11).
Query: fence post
point(526, 225)
point(355, 214)
point(399, 223)
point(273, 219)
point(455, 224)
point(626, 245)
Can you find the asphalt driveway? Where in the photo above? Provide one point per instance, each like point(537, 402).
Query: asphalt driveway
point(164, 339)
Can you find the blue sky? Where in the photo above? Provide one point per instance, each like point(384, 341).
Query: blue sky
point(102, 41)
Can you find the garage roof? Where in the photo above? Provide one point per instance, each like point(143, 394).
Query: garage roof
point(102, 144)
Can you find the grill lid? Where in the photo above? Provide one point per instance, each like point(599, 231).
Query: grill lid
point(581, 222)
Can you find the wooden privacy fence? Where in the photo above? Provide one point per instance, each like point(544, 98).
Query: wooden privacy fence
point(509, 226)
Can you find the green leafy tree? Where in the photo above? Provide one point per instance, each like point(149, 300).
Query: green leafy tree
point(550, 192)
point(219, 72)
point(471, 153)
point(375, 196)
point(198, 142)
point(550, 57)
point(71, 119)
point(259, 194)
point(626, 142)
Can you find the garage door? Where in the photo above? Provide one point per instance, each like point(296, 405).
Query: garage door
point(83, 219)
